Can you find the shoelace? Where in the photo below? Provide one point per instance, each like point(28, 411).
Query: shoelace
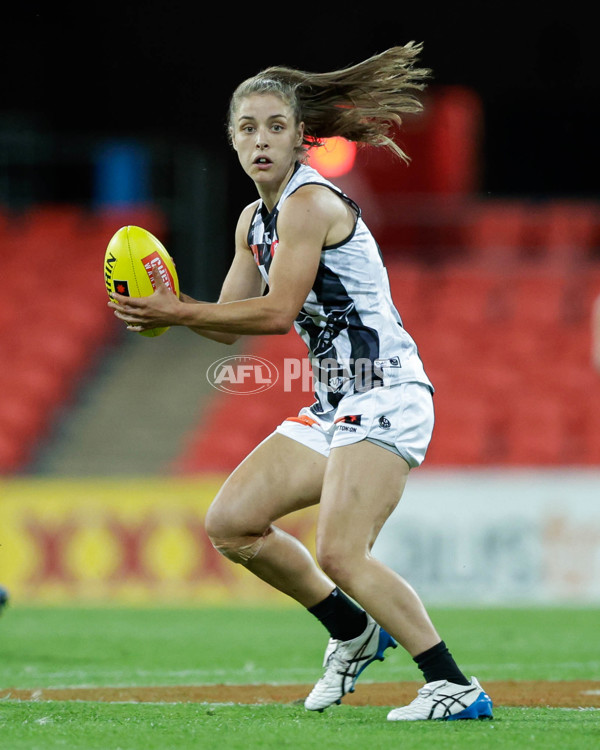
point(336, 663)
point(342, 664)
point(336, 666)
point(332, 647)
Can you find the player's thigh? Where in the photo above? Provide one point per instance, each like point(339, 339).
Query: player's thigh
point(280, 476)
point(362, 485)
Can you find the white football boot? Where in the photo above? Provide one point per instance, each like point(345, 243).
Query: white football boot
point(344, 661)
point(446, 701)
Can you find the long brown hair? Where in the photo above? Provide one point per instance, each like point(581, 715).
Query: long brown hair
point(360, 103)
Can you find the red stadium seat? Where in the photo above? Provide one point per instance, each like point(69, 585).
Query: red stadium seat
point(22, 420)
point(564, 233)
point(50, 221)
point(536, 428)
point(409, 287)
point(463, 432)
point(539, 298)
point(468, 296)
point(493, 235)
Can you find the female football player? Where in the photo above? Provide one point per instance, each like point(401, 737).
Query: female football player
point(305, 258)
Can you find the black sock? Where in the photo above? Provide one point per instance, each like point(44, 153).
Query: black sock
point(341, 616)
point(437, 664)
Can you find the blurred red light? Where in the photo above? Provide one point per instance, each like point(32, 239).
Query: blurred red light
point(334, 158)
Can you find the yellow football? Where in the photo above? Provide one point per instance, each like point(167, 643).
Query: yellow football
point(130, 258)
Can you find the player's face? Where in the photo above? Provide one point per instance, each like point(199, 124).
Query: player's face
point(265, 135)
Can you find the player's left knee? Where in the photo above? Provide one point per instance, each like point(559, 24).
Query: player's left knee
point(337, 563)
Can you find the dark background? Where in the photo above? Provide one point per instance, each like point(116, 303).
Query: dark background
point(167, 69)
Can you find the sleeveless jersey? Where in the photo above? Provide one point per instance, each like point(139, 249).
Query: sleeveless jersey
point(353, 332)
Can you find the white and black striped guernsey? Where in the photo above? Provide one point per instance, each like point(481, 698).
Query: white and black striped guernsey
point(354, 334)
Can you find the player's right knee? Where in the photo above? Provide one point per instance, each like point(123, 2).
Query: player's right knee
point(240, 549)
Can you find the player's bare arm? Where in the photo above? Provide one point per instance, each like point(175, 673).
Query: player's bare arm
point(308, 220)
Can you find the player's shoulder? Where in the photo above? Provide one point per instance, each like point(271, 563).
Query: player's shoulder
point(244, 222)
point(318, 199)
point(249, 210)
point(247, 214)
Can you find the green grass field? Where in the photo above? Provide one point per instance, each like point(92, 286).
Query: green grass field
point(60, 647)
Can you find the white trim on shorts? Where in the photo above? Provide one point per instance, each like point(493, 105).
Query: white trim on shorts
point(399, 418)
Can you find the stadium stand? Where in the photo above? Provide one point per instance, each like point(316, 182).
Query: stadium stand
point(54, 321)
point(497, 292)
point(504, 330)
